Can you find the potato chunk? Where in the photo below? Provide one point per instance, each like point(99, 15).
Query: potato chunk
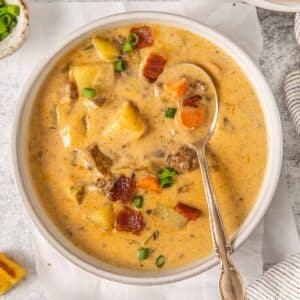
point(74, 133)
point(170, 216)
point(127, 125)
point(107, 51)
point(10, 274)
point(98, 75)
point(102, 217)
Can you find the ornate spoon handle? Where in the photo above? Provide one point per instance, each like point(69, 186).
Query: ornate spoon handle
point(231, 284)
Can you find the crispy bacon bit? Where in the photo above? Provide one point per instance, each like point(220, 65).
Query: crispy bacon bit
point(192, 101)
point(154, 66)
point(123, 189)
point(145, 34)
point(187, 211)
point(7, 269)
point(130, 220)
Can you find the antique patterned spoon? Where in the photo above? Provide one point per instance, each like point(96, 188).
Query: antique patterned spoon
point(230, 283)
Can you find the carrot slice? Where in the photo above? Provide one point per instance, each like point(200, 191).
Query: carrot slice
point(192, 117)
point(177, 88)
point(149, 183)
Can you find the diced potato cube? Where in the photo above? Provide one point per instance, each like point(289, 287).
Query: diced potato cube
point(102, 217)
point(98, 75)
point(128, 124)
point(77, 192)
point(10, 274)
point(85, 76)
point(170, 216)
point(107, 51)
point(75, 131)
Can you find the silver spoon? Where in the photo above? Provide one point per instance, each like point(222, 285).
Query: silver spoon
point(231, 284)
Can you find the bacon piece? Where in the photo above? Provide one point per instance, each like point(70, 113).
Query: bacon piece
point(130, 220)
point(146, 38)
point(192, 101)
point(187, 211)
point(123, 189)
point(154, 66)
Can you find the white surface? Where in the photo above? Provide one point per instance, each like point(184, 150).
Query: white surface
point(277, 5)
point(249, 255)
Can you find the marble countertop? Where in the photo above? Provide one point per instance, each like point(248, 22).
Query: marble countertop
point(281, 53)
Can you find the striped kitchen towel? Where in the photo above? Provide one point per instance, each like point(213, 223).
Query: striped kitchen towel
point(292, 97)
point(281, 282)
point(292, 86)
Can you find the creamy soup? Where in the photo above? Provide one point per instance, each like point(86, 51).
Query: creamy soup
point(107, 145)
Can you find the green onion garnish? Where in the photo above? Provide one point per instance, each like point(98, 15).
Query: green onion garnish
point(166, 177)
point(170, 112)
point(166, 182)
point(143, 253)
point(166, 172)
point(127, 47)
point(2, 11)
point(3, 28)
point(89, 93)
point(14, 10)
point(138, 201)
point(133, 39)
point(4, 35)
point(119, 66)
point(160, 261)
point(12, 25)
point(6, 19)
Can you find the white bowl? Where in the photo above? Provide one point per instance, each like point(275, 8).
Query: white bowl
point(277, 5)
point(40, 217)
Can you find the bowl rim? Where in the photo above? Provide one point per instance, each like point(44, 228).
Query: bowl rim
point(274, 132)
point(281, 7)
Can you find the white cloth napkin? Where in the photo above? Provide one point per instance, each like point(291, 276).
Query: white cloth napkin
point(281, 282)
point(61, 279)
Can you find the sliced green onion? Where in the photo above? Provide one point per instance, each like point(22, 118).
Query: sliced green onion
point(4, 35)
point(2, 11)
point(14, 10)
point(166, 172)
point(119, 66)
point(166, 182)
point(133, 39)
point(127, 47)
point(138, 201)
point(89, 93)
point(3, 28)
point(12, 25)
point(143, 253)
point(6, 19)
point(166, 177)
point(170, 112)
point(160, 261)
